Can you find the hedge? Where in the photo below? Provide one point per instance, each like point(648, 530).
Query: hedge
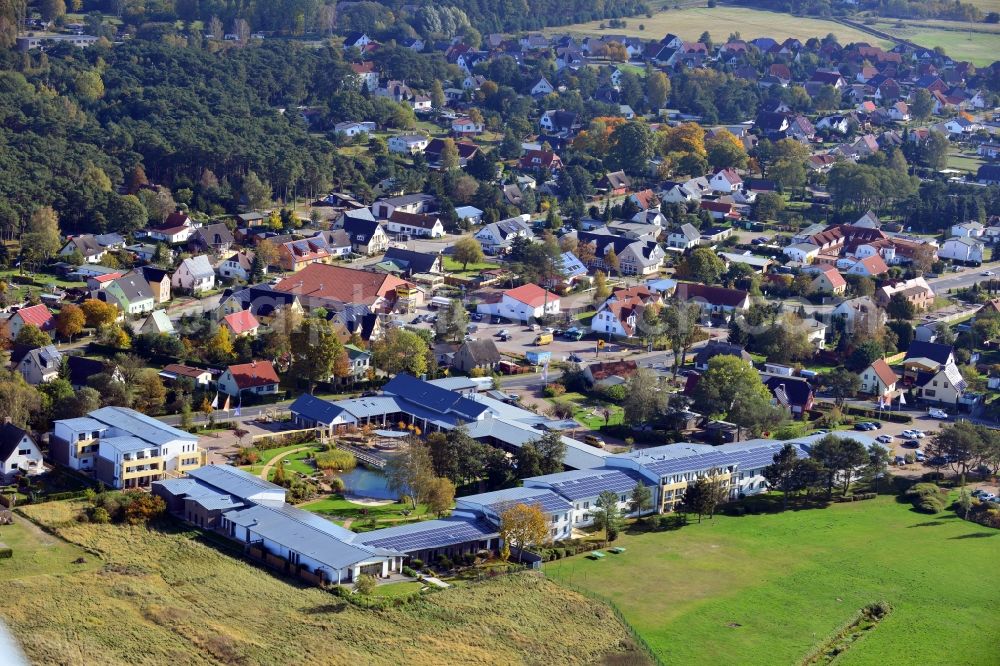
point(893, 417)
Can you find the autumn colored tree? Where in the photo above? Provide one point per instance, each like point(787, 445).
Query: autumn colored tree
point(220, 346)
point(98, 313)
point(522, 526)
point(70, 321)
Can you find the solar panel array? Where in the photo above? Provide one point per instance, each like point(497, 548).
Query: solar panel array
point(746, 459)
point(440, 536)
point(548, 501)
point(591, 486)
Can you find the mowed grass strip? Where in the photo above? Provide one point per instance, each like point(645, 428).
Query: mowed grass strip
point(766, 589)
point(720, 22)
point(165, 597)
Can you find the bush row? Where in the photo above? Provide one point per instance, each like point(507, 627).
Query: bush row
point(857, 497)
point(893, 417)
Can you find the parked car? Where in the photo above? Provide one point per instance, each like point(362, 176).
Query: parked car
point(885, 439)
point(920, 455)
point(593, 440)
point(477, 316)
point(988, 273)
point(978, 492)
point(820, 432)
point(899, 460)
point(911, 444)
point(938, 414)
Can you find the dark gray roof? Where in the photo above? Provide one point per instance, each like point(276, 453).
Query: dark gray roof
point(315, 409)
point(411, 260)
point(433, 398)
point(10, 437)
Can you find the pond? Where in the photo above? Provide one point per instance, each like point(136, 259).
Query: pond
point(364, 482)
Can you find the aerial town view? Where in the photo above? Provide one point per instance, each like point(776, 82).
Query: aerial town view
point(597, 332)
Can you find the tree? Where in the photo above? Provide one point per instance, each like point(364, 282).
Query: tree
point(411, 472)
point(437, 95)
point(657, 89)
point(452, 322)
point(440, 495)
point(779, 474)
point(732, 389)
point(962, 444)
point(522, 526)
point(601, 288)
point(41, 239)
point(644, 401)
point(551, 452)
point(449, 159)
point(32, 336)
point(400, 350)
point(934, 151)
point(220, 346)
point(315, 348)
point(704, 495)
point(611, 261)
point(632, 147)
point(768, 205)
point(900, 307)
point(878, 463)
point(467, 250)
point(680, 321)
point(98, 314)
point(922, 104)
point(641, 499)
point(607, 515)
point(256, 191)
point(150, 394)
point(365, 585)
point(840, 459)
point(70, 321)
point(726, 151)
point(842, 384)
point(702, 266)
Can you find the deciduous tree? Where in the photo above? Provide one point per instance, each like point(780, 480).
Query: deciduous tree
point(70, 321)
point(522, 525)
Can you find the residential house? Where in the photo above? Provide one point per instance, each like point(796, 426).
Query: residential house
point(131, 293)
point(174, 372)
point(621, 315)
point(254, 378)
point(19, 454)
point(969, 229)
point(88, 247)
point(962, 248)
point(359, 361)
point(684, 237)
point(195, 274)
point(409, 262)
point(415, 224)
point(366, 73)
point(367, 236)
point(465, 126)
point(479, 355)
point(177, 228)
point(157, 323)
point(719, 348)
point(469, 214)
point(296, 254)
point(916, 291)
point(610, 373)
point(408, 144)
point(713, 300)
point(756, 263)
point(635, 257)
point(536, 160)
point(859, 312)
point(793, 393)
point(123, 448)
point(406, 203)
point(81, 369)
point(615, 183)
point(945, 386)
point(542, 88)
point(829, 281)
point(37, 365)
point(522, 303)
point(354, 128)
point(241, 324)
point(497, 237)
point(878, 379)
point(466, 151)
point(34, 315)
point(804, 253)
point(726, 181)
point(158, 280)
point(333, 287)
point(867, 266)
point(215, 238)
point(239, 266)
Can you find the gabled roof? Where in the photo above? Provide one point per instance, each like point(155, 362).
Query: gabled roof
point(139, 425)
point(833, 276)
point(885, 373)
point(608, 369)
point(10, 437)
point(241, 322)
point(935, 351)
point(720, 348)
point(255, 373)
point(713, 295)
point(531, 295)
point(483, 352)
point(315, 409)
point(416, 262)
point(199, 266)
point(431, 397)
point(36, 315)
point(797, 391)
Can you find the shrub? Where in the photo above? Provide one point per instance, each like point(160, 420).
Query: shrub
point(142, 507)
point(417, 563)
point(365, 584)
point(407, 571)
point(336, 459)
point(930, 505)
point(562, 409)
point(926, 497)
point(616, 393)
point(553, 390)
point(100, 515)
point(444, 562)
point(6, 553)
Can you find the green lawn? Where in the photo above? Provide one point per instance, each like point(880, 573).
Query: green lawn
point(37, 553)
point(398, 590)
point(339, 507)
point(769, 588)
point(452, 266)
point(294, 462)
point(588, 411)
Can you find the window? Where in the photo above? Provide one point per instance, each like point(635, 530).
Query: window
point(555, 518)
point(13, 465)
point(24, 452)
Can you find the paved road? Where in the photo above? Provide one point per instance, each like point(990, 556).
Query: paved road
point(965, 278)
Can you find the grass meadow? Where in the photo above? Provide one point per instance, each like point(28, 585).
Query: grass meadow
point(767, 589)
point(165, 597)
point(720, 22)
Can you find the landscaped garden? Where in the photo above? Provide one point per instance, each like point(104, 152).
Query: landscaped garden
point(361, 517)
point(589, 411)
point(772, 588)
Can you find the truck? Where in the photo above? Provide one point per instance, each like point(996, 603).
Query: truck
point(538, 357)
point(543, 338)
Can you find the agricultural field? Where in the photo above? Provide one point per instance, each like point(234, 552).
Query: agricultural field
point(771, 588)
point(977, 42)
point(168, 596)
point(720, 22)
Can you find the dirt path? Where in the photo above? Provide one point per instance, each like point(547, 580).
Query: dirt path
point(266, 469)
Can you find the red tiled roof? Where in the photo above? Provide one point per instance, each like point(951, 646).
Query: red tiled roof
point(884, 372)
point(875, 265)
point(532, 295)
point(184, 370)
point(241, 322)
point(833, 275)
point(256, 373)
point(414, 219)
point(37, 315)
point(645, 198)
point(337, 283)
point(713, 295)
point(601, 371)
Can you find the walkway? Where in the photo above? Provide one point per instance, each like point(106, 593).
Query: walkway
point(265, 470)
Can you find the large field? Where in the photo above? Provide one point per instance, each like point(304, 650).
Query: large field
point(766, 589)
point(720, 22)
point(980, 46)
point(151, 597)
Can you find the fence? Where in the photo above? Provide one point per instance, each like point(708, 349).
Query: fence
point(364, 456)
